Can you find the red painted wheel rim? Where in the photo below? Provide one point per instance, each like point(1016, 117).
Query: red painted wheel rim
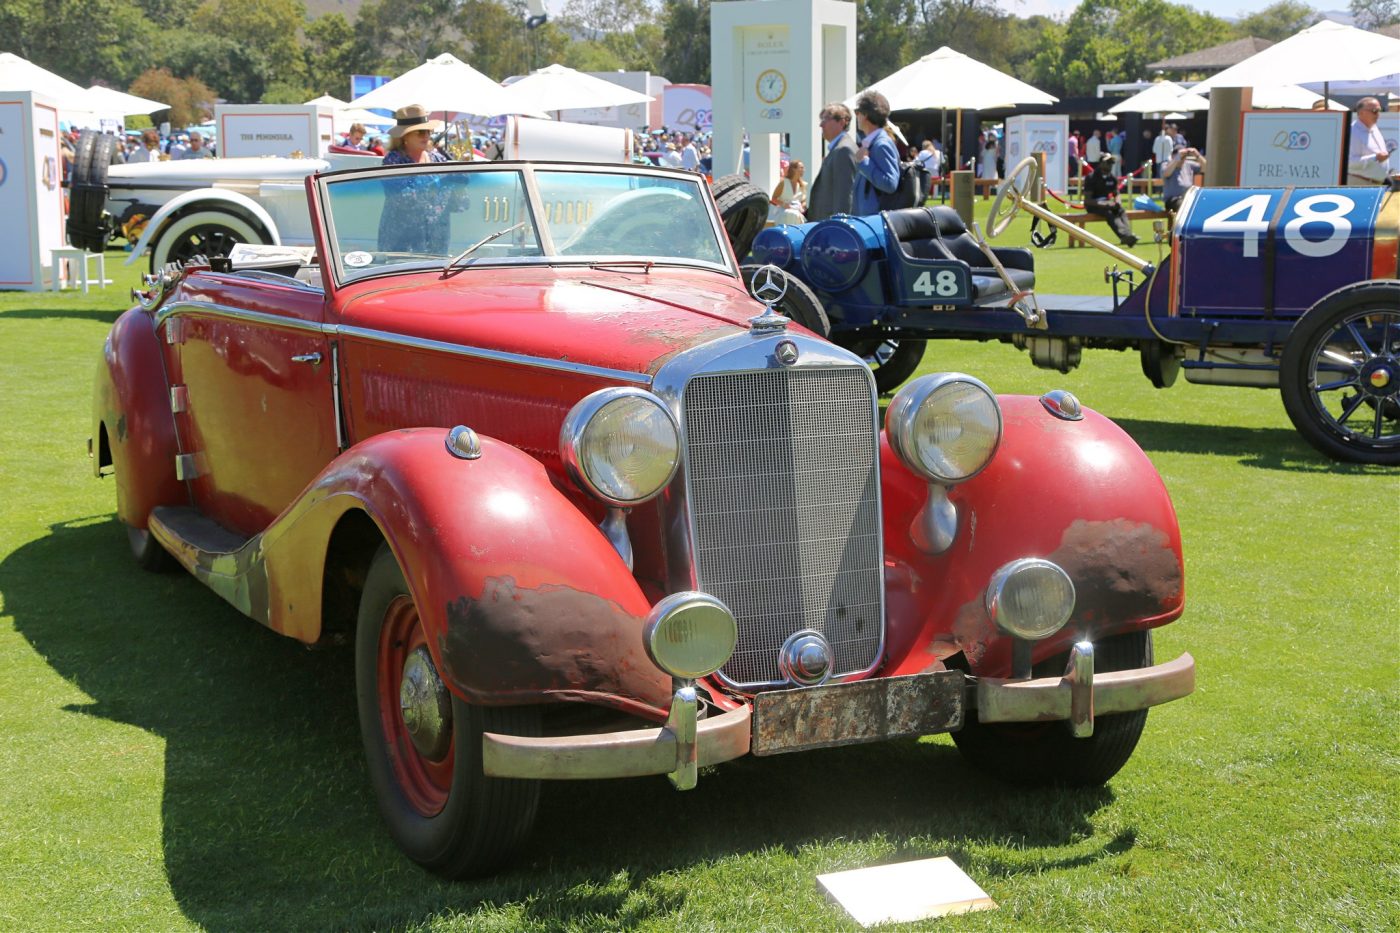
point(425, 782)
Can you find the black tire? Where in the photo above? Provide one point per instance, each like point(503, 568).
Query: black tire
point(743, 208)
point(1160, 364)
point(89, 224)
point(1349, 413)
point(148, 552)
point(800, 303)
point(893, 359)
point(207, 232)
point(1045, 752)
point(443, 812)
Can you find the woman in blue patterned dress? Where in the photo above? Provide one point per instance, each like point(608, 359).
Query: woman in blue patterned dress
point(415, 217)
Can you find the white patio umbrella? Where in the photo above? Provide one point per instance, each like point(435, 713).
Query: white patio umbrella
point(106, 100)
point(1162, 97)
point(558, 87)
point(18, 74)
point(345, 116)
point(444, 83)
point(949, 80)
point(1323, 52)
point(1289, 97)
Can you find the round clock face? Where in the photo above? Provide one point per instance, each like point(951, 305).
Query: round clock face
point(772, 85)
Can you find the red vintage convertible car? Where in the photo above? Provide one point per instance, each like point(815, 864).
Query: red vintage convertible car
point(587, 510)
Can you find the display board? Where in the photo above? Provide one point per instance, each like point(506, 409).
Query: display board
point(687, 107)
point(1291, 147)
point(1047, 133)
point(31, 196)
point(274, 129)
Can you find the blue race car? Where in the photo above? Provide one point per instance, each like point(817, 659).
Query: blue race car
point(1288, 288)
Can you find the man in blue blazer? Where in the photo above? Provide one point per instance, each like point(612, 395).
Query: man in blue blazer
point(877, 160)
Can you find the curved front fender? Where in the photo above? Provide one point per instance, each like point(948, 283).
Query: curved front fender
point(521, 596)
point(1079, 493)
point(212, 197)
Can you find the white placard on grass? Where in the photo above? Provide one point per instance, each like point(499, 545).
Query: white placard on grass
point(905, 891)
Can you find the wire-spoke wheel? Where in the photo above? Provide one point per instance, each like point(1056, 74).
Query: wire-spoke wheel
point(1340, 374)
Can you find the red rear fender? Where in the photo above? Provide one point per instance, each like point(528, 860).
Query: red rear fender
point(131, 402)
point(1079, 493)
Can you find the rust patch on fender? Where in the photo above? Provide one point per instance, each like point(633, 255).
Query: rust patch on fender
point(1122, 571)
point(554, 639)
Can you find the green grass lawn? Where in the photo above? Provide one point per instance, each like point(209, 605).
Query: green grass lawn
point(166, 764)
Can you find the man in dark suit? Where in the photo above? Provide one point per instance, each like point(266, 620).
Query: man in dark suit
point(835, 182)
point(877, 160)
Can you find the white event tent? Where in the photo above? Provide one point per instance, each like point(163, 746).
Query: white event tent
point(947, 79)
point(1162, 97)
point(558, 87)
point(445, 83)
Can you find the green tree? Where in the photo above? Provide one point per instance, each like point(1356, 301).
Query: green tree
point(334, 51)
point(883, 28)
point(1112, 41)
point(190, 100)
point(685, 51)
point(1278, 21)
point(82, 40)
point(406, 33)
point(1372, 14)
point(272, 27)
point(238, 72)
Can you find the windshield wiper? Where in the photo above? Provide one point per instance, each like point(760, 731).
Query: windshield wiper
point(477, 245)
point(646, 264)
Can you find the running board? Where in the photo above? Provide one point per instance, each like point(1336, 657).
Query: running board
point(226, 562)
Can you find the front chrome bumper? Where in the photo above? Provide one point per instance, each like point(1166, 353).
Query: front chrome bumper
point(684, 744)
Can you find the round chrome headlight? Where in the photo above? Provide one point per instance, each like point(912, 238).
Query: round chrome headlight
point(621, 444)
point(1030, 598)
point(945, 427)
point(689, 635)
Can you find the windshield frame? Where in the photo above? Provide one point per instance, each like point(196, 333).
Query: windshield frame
point(332, 261)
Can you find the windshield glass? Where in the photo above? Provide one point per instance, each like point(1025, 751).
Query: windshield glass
point(411, 217)
point(415, 217)
point(604, 216)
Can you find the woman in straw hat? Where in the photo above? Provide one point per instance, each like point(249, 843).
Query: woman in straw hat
point(415, 218)
point(411, 139)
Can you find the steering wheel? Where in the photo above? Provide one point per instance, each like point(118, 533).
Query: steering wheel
point(1018, 185)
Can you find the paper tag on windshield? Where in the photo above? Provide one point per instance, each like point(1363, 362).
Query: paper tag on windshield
point(358, 258)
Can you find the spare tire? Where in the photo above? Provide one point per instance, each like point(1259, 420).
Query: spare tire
point(743, 208)
point(89, 223)
point(799, 303)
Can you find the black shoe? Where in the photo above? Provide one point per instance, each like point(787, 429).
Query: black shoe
point(1130, 242)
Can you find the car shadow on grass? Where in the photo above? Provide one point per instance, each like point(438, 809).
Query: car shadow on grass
point(100, 315)
point(1263, 448)
point(268, 821)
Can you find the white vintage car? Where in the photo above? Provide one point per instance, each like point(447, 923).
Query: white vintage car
point(204, 207)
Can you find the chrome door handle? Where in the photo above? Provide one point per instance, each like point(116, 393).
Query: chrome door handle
point(313, 358)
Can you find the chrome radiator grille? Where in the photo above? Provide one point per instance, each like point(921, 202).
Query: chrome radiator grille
point(783, 487)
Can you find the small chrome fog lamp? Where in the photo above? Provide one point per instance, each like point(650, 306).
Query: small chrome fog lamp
point(1030, 598)
point(689, 635)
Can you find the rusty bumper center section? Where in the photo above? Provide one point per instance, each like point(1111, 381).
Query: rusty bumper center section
point(836, 714)
point(847, 714)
